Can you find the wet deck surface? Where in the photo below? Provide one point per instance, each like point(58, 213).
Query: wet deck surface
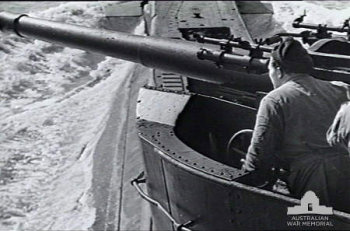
point(117, 160)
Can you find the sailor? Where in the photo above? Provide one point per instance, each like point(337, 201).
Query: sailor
point(291, 126)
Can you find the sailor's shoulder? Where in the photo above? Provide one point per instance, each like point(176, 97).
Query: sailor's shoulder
point(341, 87)
point(277, 95)
point(274, 99)
point(340, 84)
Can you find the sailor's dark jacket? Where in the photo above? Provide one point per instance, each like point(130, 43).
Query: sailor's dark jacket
point(290, 131)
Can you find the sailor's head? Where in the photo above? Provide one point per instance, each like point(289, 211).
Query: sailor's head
point(287, 58)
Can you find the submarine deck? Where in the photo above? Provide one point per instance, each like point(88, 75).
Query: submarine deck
point(118, 158)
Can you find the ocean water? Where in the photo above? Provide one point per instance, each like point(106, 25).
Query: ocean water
point(27, 6)
point(54, 103)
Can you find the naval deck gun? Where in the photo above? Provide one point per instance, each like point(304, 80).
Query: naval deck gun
point(167, 54)
point(190, 176)
point(220, 65)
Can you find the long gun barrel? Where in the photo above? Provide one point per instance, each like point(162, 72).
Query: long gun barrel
point(325, 27)
point(167, 54)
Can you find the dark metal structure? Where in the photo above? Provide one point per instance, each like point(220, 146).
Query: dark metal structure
point(171, 55)
point(187, 174)
point(184, 132)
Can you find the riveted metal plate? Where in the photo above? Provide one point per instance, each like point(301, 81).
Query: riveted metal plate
point(191, 186)
point(213, 202)
point(165, 142)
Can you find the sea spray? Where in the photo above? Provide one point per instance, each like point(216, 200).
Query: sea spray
point(48, 134)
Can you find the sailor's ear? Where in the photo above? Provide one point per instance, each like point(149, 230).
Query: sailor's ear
point(279, 72)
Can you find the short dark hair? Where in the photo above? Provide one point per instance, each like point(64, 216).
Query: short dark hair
point(292, 57)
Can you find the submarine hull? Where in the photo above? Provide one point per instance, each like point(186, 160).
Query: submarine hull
point(195, 188)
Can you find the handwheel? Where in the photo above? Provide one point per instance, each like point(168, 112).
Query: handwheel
point(237, 147)
point(236, 151)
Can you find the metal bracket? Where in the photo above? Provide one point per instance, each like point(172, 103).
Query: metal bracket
point(300, 19)
point(15, 24)
point(140, 180)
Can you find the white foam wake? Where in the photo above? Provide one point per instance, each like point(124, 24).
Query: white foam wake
point(55, 103)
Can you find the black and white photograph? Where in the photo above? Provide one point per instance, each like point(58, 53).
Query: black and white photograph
point(174, 115)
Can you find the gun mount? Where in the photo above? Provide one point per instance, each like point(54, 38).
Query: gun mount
point(315, 32)
point(322, 31)
point(327, 64)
